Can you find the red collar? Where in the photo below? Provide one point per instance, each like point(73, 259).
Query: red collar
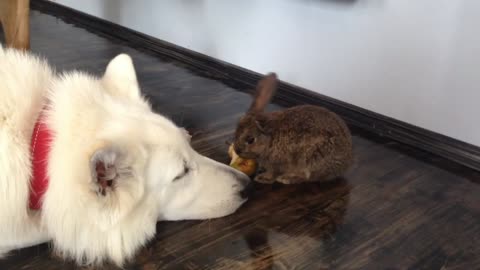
point(40, 147)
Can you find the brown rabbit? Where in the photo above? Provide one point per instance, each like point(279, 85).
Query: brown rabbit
point(300, 144)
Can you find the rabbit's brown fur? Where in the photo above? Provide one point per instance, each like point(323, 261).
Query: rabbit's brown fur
point(299, 144)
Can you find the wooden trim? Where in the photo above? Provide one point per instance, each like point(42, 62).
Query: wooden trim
point(15, 19)
point(287, 94)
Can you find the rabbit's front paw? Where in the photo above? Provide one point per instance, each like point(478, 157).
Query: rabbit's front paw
point(288, 179)
point(265, 178)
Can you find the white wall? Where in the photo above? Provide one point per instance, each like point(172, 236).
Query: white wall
point(416, 61)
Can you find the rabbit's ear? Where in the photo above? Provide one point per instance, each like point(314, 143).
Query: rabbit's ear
point(266, 87)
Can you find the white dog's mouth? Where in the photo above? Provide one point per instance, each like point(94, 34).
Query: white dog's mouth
point(247, 191)
point(246, 186)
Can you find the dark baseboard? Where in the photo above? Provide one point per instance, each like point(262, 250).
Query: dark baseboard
point(287, 95)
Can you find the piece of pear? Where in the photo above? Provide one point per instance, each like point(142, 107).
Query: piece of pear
point(247, 166)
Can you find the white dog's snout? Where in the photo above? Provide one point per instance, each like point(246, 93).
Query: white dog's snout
point(243, 179)
point(245, 186)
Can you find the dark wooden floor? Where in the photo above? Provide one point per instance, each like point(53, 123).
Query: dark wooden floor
point(397, 208)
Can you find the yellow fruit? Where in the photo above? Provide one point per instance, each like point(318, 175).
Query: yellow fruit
point(231, 152)
point(247, 166)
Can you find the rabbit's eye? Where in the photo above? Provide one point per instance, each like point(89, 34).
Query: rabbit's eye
point(250, 140)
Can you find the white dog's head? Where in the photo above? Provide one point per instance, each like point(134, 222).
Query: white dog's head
point(127, 169)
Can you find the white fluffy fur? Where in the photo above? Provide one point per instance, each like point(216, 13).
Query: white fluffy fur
point(98, 119)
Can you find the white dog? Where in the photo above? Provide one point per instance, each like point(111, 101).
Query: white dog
point(86, 164)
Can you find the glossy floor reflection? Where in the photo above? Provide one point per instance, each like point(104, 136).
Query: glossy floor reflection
point(397, 208)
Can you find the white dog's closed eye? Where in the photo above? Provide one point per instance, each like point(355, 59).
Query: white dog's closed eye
point(183, 173)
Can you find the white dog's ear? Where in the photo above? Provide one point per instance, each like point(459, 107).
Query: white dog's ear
point(120, 77)
point(104, 167)
point(117, 186)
